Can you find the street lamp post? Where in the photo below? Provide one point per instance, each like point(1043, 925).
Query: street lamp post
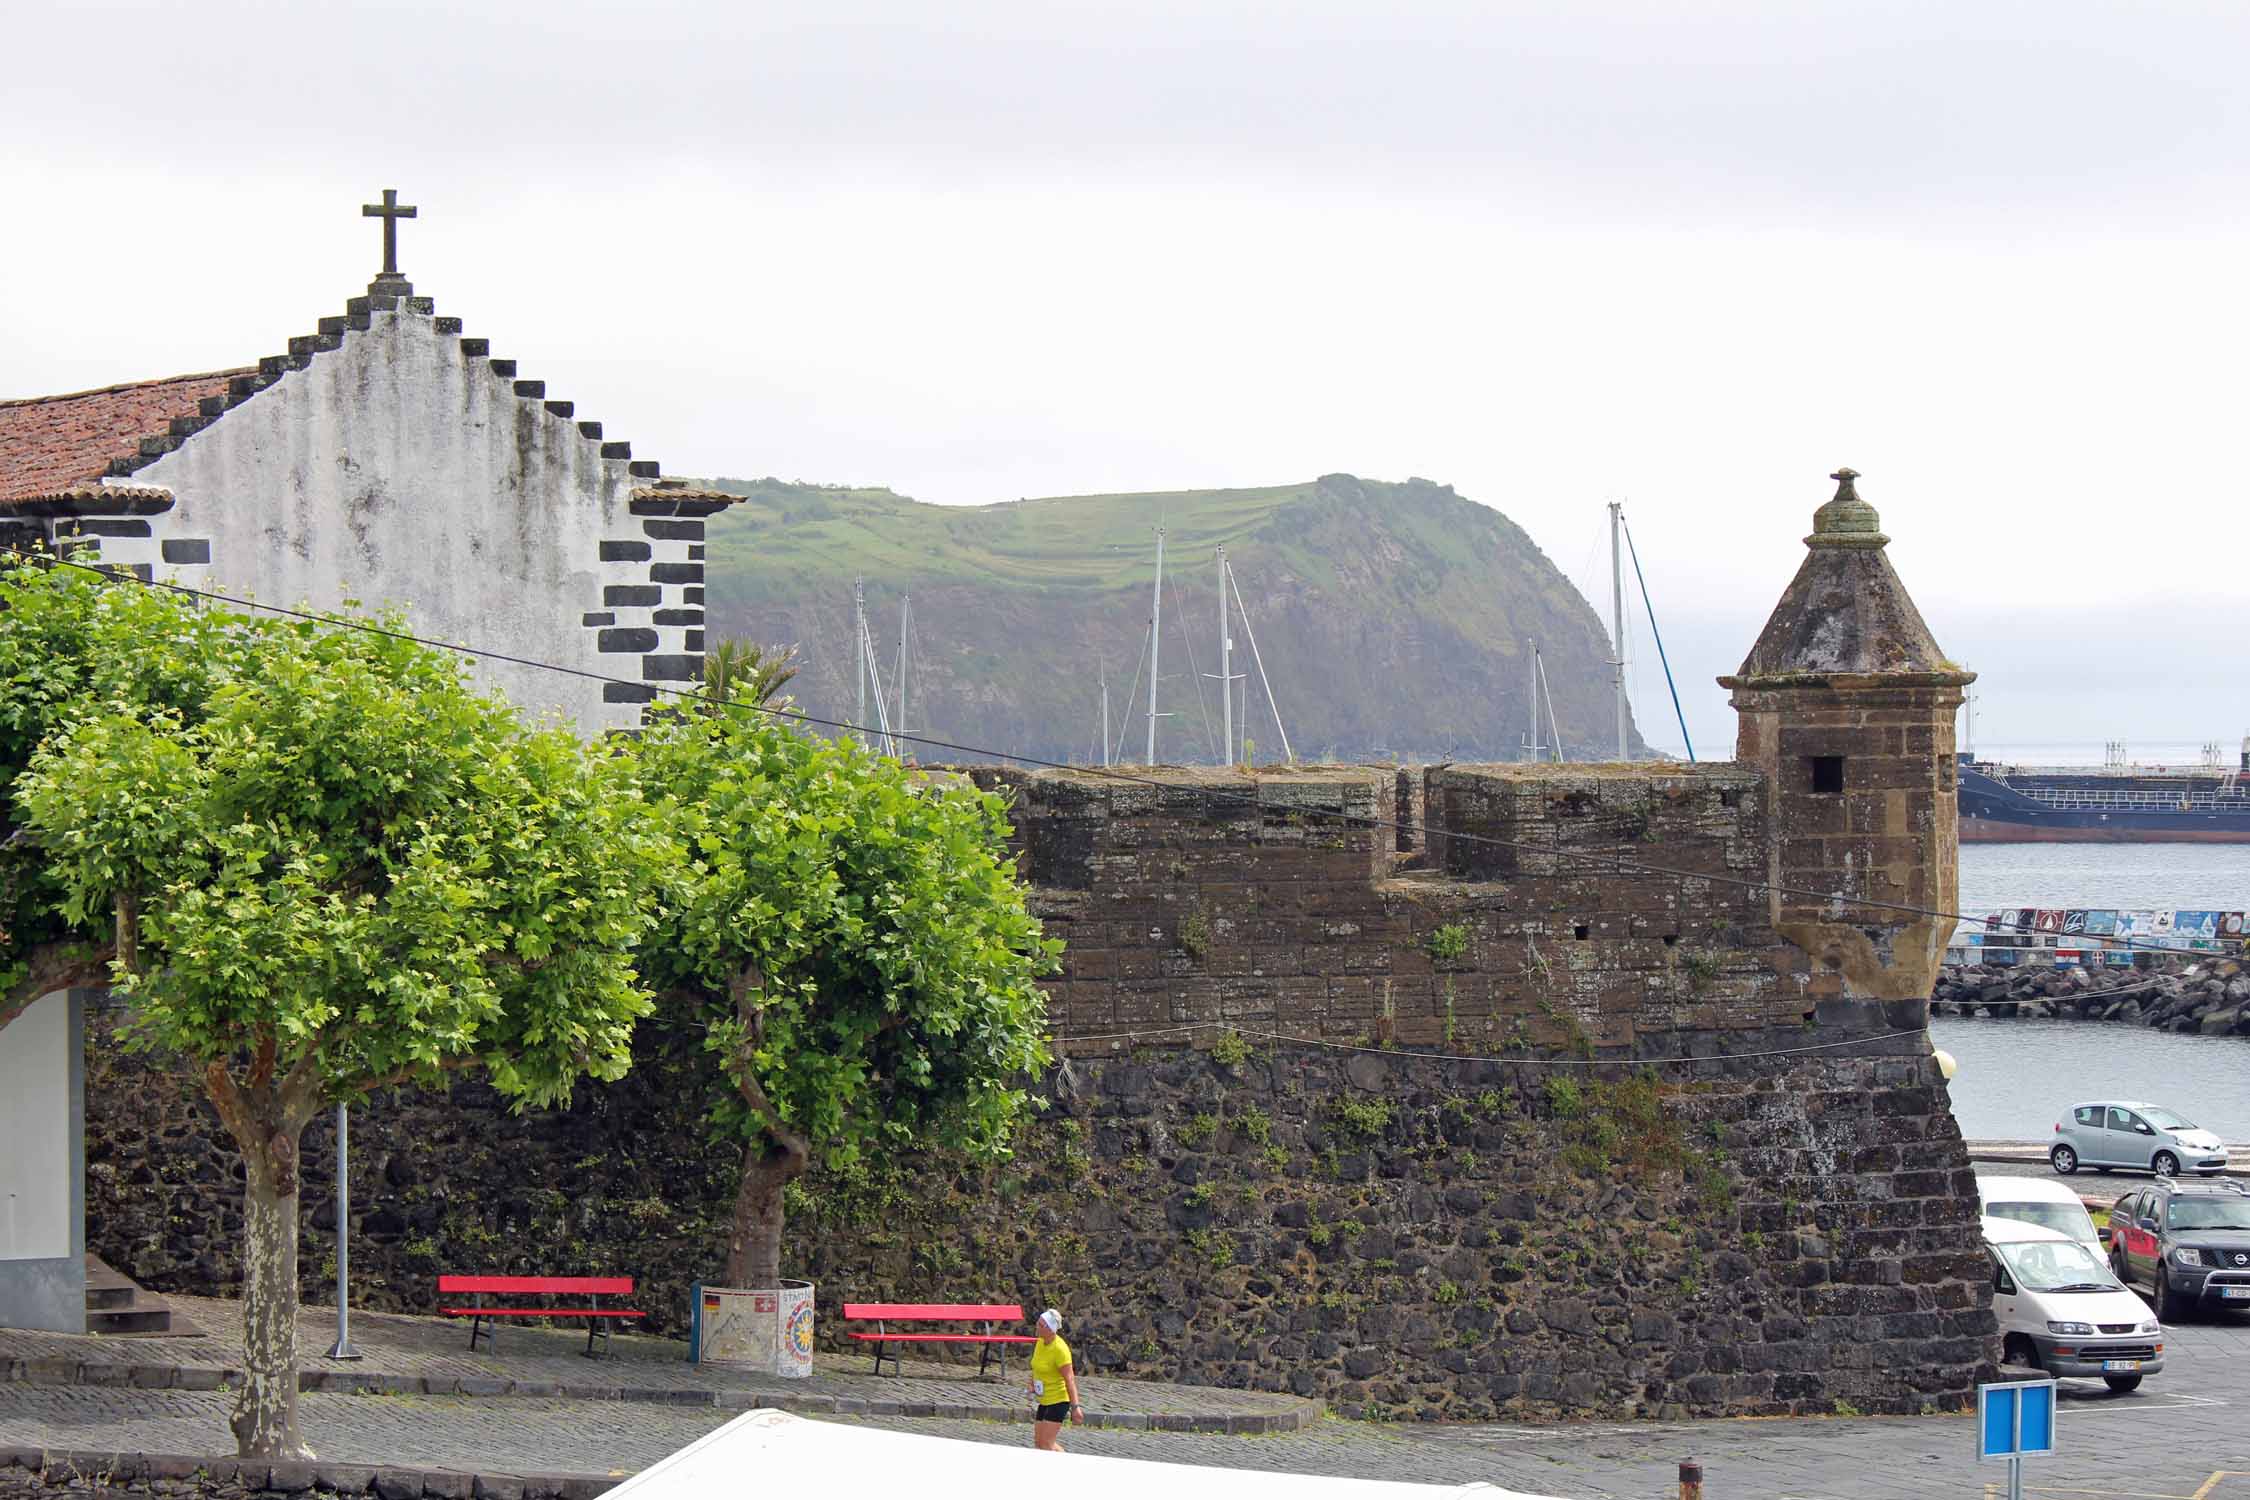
point(343, 1347)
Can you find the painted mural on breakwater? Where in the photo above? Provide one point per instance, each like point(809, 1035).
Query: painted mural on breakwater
point(2085, 935)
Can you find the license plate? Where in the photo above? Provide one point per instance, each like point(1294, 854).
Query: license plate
point(2121, 1364)
point(2235, 1291)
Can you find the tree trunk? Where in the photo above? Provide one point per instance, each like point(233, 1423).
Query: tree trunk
point(754, 1253)
point(265, 1418)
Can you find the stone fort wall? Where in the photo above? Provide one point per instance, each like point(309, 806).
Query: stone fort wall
point(1591, 1091)
point(1557, 1138)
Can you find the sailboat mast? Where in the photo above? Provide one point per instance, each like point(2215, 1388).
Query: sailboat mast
point(1617, 618)
point(859, 652)
point(1226, 676)
point(1531, 698)
point(1105, 717)
point(1155, 642)
point(905, 618)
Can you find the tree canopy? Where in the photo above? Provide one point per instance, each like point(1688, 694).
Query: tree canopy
point(856, 942)
point(73, 644)
point(331, 865)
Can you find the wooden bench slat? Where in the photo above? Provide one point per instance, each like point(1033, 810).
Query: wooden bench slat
point(597, 1285)
point(936, 1312)
point(542, 1312)
point(946, 1338)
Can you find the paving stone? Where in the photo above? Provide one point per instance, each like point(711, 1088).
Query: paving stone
point(290, 1477)
point(347, 1479)
point(399, 1484)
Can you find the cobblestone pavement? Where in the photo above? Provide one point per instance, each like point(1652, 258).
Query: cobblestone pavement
point(2181, 1437)
point(550, 1361)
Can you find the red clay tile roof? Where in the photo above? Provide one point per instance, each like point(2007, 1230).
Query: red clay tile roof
point(50, 444)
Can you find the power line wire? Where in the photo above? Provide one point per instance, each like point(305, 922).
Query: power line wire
point(1615, 863)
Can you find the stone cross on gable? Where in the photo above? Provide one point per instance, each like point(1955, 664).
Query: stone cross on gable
point(390, 211)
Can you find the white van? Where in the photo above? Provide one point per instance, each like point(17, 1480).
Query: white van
point(2038, 1200)
point(2061, 1309)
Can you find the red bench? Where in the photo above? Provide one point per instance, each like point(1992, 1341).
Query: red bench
point(484, 1321)
point(989, 1314)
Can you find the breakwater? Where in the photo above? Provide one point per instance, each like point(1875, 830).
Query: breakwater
point(2207, 996)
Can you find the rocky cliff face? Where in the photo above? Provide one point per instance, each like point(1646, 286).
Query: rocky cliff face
point(1392, 619)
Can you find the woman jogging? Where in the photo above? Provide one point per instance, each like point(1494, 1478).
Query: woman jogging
point(1054, 1384)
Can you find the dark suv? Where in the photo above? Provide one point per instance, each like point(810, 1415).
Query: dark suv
point(2188, 1241)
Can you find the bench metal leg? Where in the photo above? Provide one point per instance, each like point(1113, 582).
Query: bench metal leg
point(880, 1345)
point(488, 1328)
point(987, 1352)
point(596, 1325)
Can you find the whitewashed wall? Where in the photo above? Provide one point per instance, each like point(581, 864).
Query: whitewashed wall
point(43, 1167)
point(405, 470)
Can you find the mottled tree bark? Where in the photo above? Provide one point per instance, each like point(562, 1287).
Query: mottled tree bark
point(266, 1116)
point(754, 1255)
point(773, 1160)
point(265, 1417)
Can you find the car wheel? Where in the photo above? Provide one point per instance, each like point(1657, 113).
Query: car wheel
point(2165, 1164)
point(2117, 1264)
point(2170, 1306)
point(2122, 1383)
point(2020, 1351)
point(2064, 1160)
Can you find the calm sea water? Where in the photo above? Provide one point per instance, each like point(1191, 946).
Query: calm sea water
point(2017, 1076)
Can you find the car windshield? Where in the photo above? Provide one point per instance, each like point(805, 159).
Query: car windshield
point(2057, 1266)
point(2164, 1119)
point(2070, 1218)
point(2210, 1213)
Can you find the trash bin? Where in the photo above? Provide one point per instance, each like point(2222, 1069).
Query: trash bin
point(764, 1329)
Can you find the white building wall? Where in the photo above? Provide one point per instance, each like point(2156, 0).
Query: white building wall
point(402, 471)
point(43, 1167)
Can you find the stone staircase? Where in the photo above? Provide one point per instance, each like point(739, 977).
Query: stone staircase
point(114, 1304)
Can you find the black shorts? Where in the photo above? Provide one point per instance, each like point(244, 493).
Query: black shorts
point(1055, 1411)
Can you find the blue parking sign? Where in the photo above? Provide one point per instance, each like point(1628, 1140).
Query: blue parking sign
point(2016, 1419)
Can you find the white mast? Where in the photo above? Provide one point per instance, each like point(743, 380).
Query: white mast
point(1105, 713)
point(1257, 658)
point(1617, 617)
point(1226, 680)
point(1155, 642)
point(905, 619)
point(859, 652)
point(1531, 698)
point(1969, 705)
point(1554, 746)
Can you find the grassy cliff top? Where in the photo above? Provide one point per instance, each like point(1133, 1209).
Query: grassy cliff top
point(1079, 541)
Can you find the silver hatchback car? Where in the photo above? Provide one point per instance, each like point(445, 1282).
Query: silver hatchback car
point(2139, 1137)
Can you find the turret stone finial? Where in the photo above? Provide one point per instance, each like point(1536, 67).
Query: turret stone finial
point(1846, 520)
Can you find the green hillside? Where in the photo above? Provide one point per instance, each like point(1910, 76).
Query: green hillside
point(1392, 617)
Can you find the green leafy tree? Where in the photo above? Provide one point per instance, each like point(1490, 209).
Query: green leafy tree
point(71, 642)
point(855, 942)
point(345, 870)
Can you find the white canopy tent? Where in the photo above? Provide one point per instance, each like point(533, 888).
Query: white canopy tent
point(774, 1453)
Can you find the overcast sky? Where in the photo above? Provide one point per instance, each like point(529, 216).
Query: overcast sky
point(1693, 256)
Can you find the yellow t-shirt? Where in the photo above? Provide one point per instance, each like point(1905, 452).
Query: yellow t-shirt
point(1047, 1363)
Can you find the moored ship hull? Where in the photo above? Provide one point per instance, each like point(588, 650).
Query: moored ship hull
point(2054, 831)
point(1996, 811)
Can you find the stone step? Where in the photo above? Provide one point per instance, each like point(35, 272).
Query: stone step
point(115, 1303)
point(148, 1319)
